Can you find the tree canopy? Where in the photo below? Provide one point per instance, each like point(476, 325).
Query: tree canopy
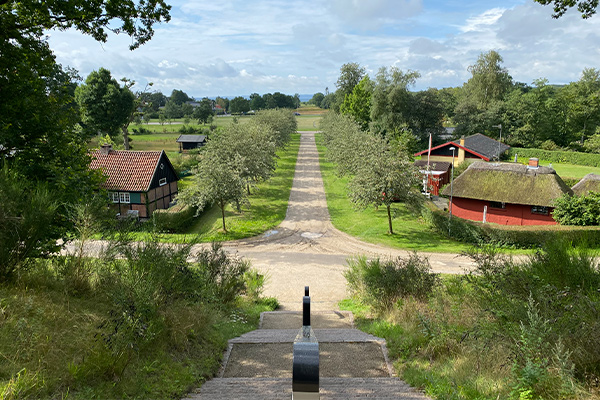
point(105, 106)
point(587, 8)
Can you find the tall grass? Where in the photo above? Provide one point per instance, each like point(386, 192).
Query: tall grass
point(509, 330)
point(151, 321)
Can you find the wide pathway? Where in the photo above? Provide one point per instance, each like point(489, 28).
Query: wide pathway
point(305, 249)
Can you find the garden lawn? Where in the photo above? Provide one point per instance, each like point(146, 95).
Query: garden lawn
point(268, 205)
point(410, 232)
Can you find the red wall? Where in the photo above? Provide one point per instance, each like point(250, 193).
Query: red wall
point(513, 214)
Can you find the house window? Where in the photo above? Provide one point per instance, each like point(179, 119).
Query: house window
point(497, 204)
point(162, 181)
point(539, 210)
point(124, 197)
point(114, 197)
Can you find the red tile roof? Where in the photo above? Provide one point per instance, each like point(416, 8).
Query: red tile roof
point(127, 170)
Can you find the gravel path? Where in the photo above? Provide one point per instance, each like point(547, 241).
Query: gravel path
point(305, 249)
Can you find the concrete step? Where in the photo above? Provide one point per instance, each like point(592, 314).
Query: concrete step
point(322, 335)
point(281, 388)
point(274, 360)
point(318, 320)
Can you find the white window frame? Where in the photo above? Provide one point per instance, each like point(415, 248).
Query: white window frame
point(162, 181)
point(114, 197)
point(124, 198)
point(540, 210)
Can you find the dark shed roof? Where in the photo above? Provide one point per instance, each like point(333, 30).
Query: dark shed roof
point(191, 139)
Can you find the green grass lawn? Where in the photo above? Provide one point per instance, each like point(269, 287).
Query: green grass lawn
point(565, 170)
point(370, 225)
point(268, 205)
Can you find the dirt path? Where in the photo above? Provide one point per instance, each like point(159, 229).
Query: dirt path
point(305, 249)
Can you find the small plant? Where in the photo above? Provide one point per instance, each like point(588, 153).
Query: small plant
point(382, 283)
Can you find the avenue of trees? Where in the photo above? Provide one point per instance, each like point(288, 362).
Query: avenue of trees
point(238, 158)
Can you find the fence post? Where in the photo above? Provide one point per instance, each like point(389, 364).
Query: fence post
point(305, 370)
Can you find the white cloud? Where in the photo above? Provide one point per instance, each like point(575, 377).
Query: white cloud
point(240, 47)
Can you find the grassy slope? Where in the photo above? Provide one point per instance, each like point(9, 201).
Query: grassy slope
point(50, 348)
point(411, 232)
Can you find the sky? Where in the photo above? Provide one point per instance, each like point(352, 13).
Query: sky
point(236, 47)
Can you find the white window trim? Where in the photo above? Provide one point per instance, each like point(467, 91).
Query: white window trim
point(162, 181)
point(124, 198)
point(114, 196)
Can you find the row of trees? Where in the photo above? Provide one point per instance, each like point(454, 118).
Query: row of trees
point(537, 115)
point(238, 158)
point(380, 171)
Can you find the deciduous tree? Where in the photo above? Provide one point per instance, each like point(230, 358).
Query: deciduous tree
point(105, 106)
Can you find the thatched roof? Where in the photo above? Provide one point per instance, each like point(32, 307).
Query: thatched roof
point(509, 183)
point(589, 183)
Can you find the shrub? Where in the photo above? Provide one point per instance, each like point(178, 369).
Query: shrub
point(381, 284)
point(174, 219)
point(578, 210)
point(552, 298)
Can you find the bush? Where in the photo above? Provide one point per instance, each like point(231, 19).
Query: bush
point(174, 219)
point(571, 157)
point(578, 210)
point(381, 284)
point(546, 304)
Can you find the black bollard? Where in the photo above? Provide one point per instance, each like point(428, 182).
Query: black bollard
point(306, 308)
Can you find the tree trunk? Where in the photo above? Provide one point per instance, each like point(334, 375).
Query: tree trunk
point(125, 136)
point(248, 187)
point(222, 204)
point(391, 231)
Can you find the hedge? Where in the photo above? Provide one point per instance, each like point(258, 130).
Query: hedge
point(519, 237)
point(571, 157)
point(174, 219)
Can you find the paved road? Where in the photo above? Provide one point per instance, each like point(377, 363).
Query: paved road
point(305, 249)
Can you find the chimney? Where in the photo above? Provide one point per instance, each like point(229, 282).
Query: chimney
point(534, 163)
point(461, 152)
point(105, 149)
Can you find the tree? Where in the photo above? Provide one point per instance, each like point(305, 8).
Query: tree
point(587, 8)
point(239, 105)
point(256, 102)
point(392, 101)
point(204, 111)
point(39, 138)
point(427, 115)
point(216, 181)
point(489, 80)
point(358, 103)
point(105, 105)
point(282, 124)
point(252, 148)
point(179, 97)
point(317, 99)
point(223, 103)
point(173, 110)
point(350, 75)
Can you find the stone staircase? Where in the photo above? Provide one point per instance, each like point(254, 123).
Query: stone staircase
point(352, 364)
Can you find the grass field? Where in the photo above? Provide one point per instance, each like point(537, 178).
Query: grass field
point(410, 231)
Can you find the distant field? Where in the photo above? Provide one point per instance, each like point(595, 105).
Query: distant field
point(565, 170)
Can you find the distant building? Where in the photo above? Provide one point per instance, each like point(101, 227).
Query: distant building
point(471, 148)
point(507, 194)
point(437, 173)
point(190, 142)
point(138, 182)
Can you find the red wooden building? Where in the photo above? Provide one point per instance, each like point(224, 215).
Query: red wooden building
point(437, 173)
point(506, 194)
